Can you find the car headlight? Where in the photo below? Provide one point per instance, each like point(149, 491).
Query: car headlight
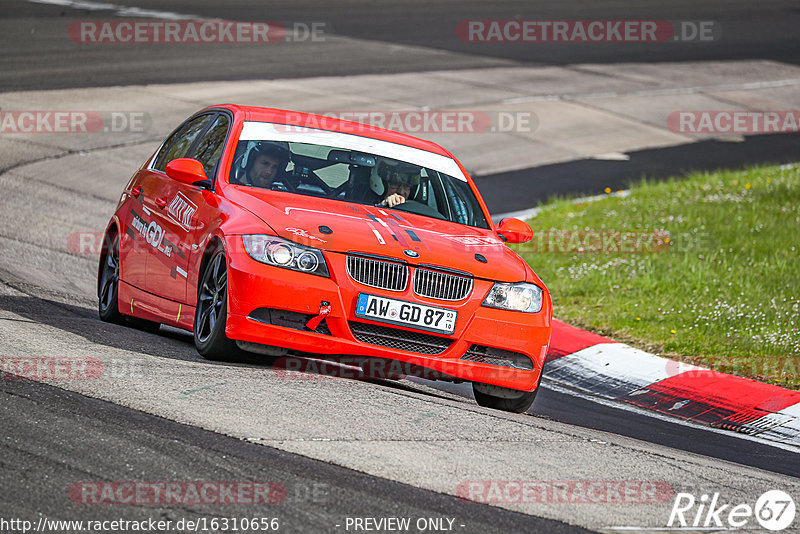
point(284, 253)
point(518, 297)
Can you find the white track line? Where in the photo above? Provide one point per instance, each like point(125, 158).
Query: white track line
point(465, 390)
point(121, 11)
point(549, 384)
point(748, 86)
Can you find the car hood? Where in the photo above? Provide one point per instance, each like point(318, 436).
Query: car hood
point(338, 226)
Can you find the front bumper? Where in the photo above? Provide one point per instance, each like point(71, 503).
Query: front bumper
point(253, 285)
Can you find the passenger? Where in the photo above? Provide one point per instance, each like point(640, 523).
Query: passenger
point(397, 183)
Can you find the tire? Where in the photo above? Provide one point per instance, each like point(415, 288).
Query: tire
point(503, 398)
point(108, 281)
point(108, 289)
point(212, 311)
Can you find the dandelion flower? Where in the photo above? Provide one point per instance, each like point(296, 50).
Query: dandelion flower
point(607, 190)
point(672, 331)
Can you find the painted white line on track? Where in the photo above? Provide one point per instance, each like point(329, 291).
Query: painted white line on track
point(793, 410)
point(465, 390)
point(612, 156)
point(614, 369)
point(567, 390)
point(748, 86)
point(121, 11)
point(789, 429)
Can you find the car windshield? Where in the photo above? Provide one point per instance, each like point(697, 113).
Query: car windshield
point(355, 176)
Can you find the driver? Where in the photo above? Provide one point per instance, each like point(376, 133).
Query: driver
point(397, 182)
point(264, 162)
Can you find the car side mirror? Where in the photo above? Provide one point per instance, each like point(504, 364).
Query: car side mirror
point(188, 171)
point(514, 231)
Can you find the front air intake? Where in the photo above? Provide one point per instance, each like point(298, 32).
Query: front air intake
point(499, 357)
point(395, 338)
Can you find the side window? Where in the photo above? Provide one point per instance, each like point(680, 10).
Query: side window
point(159, 161)
point(209, 149)
point(183, 141)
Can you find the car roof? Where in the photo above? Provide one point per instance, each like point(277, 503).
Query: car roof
point(323, 122)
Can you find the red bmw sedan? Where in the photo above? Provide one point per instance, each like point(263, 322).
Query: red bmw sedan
point(267, 230)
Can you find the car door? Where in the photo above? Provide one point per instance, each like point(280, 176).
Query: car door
point(162, 247)
point(134, 246)
point(181, 214)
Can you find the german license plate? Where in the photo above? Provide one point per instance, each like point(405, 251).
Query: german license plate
point(404, 313)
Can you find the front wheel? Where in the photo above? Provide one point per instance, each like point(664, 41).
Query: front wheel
point(500, 398)
point(108, 281)
point(212, 310)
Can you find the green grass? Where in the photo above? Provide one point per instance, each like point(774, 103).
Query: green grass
point(721, 286)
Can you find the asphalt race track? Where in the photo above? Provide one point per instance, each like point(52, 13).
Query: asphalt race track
point(332, 450)
point(411, 31)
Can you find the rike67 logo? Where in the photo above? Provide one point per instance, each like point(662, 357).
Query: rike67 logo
point(774, 510)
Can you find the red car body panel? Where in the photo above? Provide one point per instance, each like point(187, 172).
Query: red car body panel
point(166, 226)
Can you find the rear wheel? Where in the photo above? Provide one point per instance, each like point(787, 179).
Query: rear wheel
point(500, 398)
point(108, 281)
point(108, 288)
point(212, 310)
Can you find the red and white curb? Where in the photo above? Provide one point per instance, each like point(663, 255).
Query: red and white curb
point(602, 367)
